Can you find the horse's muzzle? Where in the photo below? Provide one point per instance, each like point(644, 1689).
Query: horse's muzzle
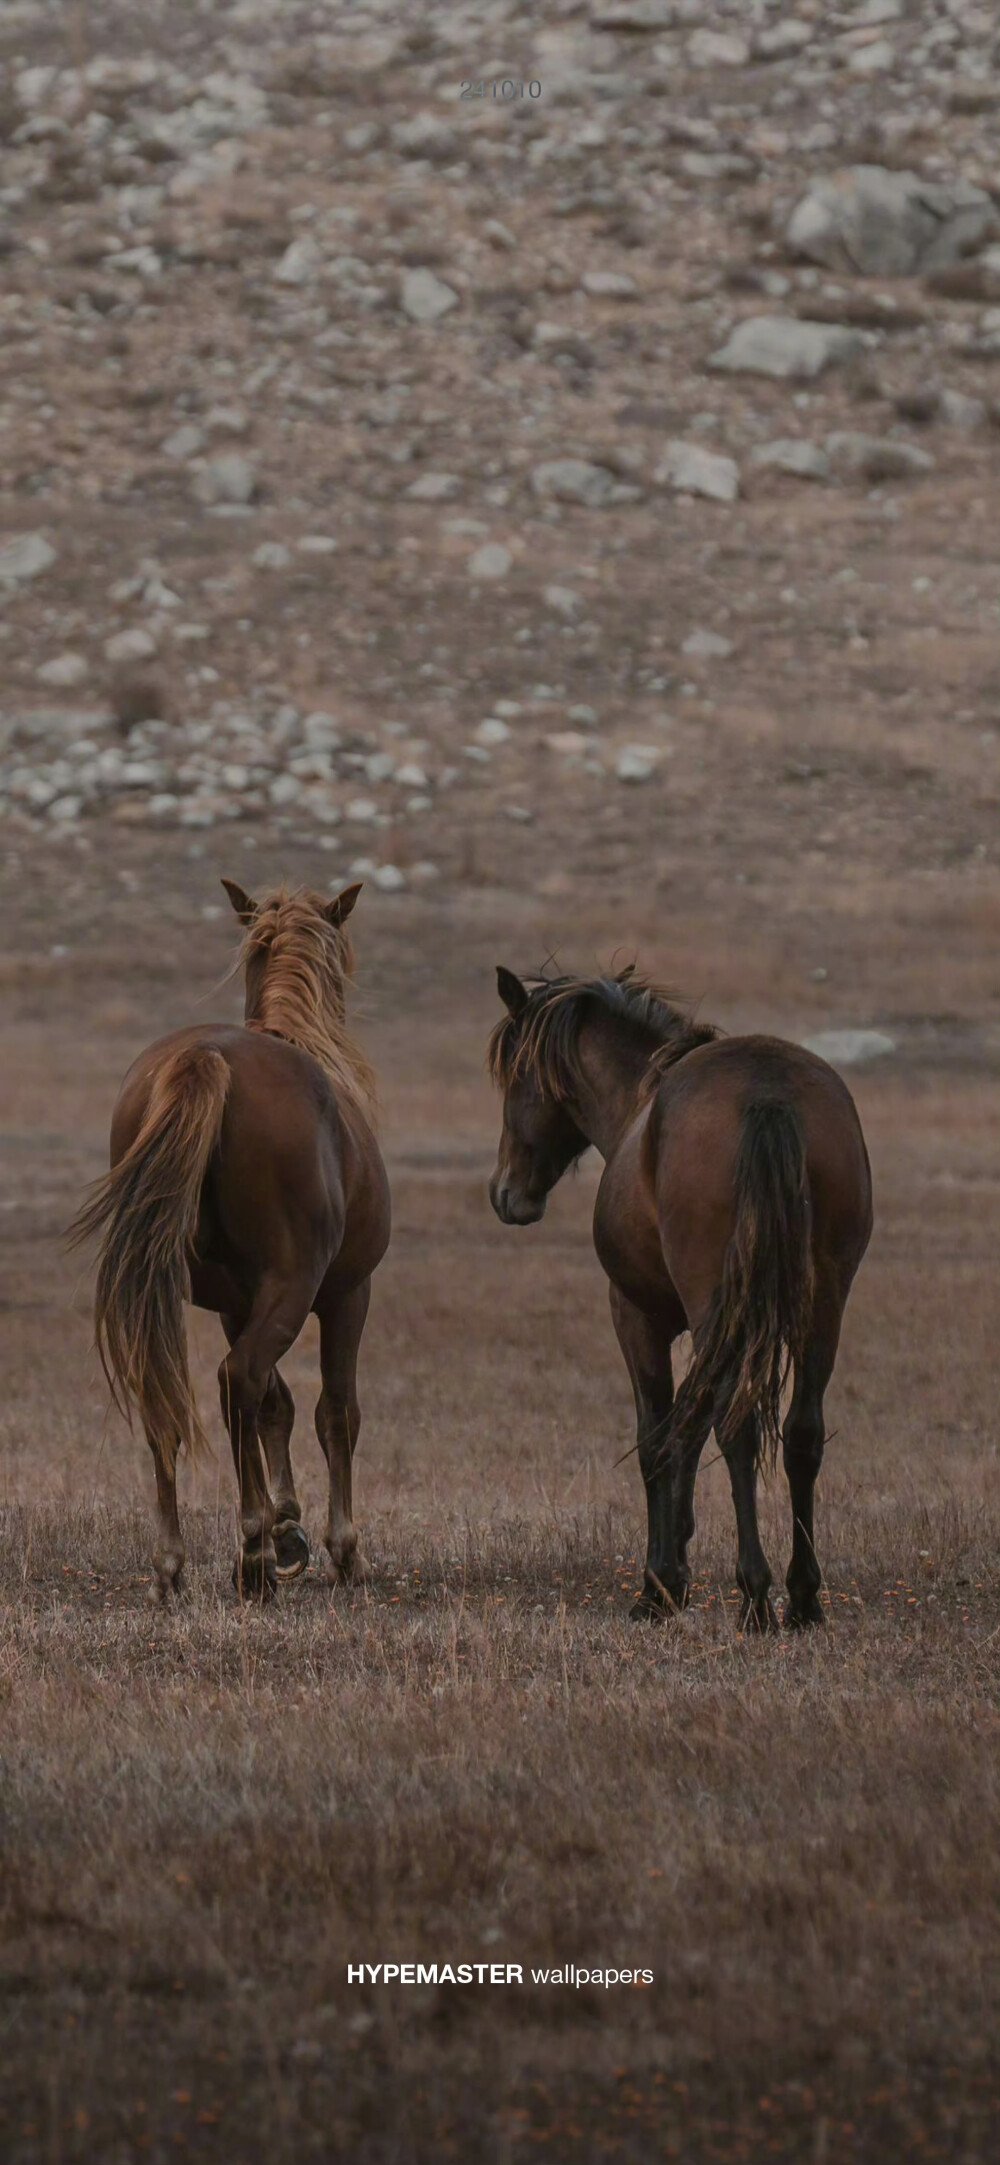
point(511, 1208)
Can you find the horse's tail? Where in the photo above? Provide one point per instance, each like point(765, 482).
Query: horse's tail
point(146, 1210)
point(759, 1318)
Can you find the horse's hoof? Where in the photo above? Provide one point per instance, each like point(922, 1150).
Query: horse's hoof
point(291, 1549)
point(649, 1609)
point(803, 1615)
point(349, 1570)
point(757, 1616)
point(255, 1577)
point(165, 1590)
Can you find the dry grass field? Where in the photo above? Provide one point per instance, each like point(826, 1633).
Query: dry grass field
point(208, 1813)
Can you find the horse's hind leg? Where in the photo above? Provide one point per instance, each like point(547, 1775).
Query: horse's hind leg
point(275, 1320)
point(803, 1439)
point(338, 1419)
point(277, 1414)
point(168, 1555)
point(753, 1572)
point(274, 1426)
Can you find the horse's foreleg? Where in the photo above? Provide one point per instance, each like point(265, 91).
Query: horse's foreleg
point(803, 1439)
point(168, 1555)
point(338, 1419)
point(753, 1572)
point(645, 1344)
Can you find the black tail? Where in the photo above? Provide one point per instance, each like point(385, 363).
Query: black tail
point(759, 1318)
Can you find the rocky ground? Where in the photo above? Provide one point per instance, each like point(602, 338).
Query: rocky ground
point(393, 469)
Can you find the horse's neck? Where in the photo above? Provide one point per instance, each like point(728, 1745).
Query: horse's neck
point(610, 1066)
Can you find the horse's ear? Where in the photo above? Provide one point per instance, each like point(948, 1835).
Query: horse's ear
point(513, 994)
point(246, 910)
point(337, 911)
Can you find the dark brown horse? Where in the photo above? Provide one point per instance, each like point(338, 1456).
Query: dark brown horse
point(735, 1203)
point(246, 1177)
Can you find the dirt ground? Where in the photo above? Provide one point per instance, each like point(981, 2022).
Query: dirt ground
point(207, 1814)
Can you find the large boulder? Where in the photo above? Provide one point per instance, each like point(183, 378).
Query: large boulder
point(889, 225)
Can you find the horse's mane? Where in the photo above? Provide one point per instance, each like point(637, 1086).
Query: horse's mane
point(296, 963)
point(540, 1040)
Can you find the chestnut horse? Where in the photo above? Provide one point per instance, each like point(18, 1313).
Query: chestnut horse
point(735, 1203)
point(246, 1177)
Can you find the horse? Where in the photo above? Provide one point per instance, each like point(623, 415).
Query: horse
point(735, 1202)
point(246, 1177)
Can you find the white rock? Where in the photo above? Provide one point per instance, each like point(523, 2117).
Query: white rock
point(570, 743)
point(793, 455)
point(877, 458)
point(692, 470)
point(425, 136)
point(228, 420)
point(140, 262)
point(361, 809)
point(492, 731)
point(301, 262)
point(317, 545)
point(848, 1048)
point(783, 40)
point(564, 601)
point(285, 789)
point(388, 879)
point(130, 646)
point(886, 224)
point(587, 717)
point(499, 236)
point(634, 15)
point(638, 762)
point(492, 561)
point(573, 481)
point(962, 412)
point(707, 646)
point(64, 671)
point(875, 59)
point(609, 285)
point(434, 488)
point(425, 298)
point(363, 136)
point(784, 347)
point(65, 808)
point(717, 49)
point(229, 479)
point(26, 556)
point(184, 442)
point(271, 556)
point(321, 732)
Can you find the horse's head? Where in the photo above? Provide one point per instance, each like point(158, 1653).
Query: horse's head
point(539, 1139)
point(296, 944)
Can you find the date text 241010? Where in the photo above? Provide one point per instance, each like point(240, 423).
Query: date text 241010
point(505, 89)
